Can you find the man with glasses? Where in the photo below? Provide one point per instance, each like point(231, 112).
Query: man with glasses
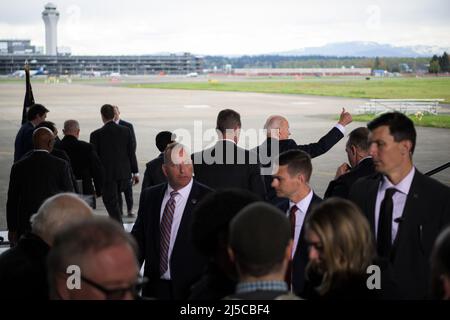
point(94, 260)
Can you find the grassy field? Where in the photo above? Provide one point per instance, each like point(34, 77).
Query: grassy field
point(390, 88)
point(439, 121)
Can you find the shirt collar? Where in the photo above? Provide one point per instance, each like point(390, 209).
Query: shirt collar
point(303, 204)
point(273, 285)
point(40, 150)
point(183, 192)
point(368, 157)
point(403, 186)
point(228, 140)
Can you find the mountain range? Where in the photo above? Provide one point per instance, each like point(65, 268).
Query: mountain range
point(366, 49)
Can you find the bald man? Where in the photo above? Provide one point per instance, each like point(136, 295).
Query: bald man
point(34, 179)
point(23, 271)
point(85, 161)
point(278, 132)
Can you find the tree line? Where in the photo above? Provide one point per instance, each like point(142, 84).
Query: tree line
point(391, 64)
point(439, 64)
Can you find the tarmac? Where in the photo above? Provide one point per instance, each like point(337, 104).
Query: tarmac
point(154, 110)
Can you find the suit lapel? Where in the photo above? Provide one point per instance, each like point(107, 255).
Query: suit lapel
point(183, 229)
point(155, 227)
point(371, 199)
point(301, 243)
point(411, 212)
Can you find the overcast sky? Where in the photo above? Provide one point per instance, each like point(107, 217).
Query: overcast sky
point(227, 27)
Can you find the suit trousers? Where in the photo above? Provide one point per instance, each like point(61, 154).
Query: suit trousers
point(111, 198)
point(128, 193)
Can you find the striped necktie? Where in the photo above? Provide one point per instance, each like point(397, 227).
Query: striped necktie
point(165, 230)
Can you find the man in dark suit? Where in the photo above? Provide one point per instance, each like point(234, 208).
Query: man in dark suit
point(33, 179)
point(85, 162)
point(153, 172)
point(261, 261)
point(291, 181)
point(128, 192)
point(278, 141)
point(361, 164)
point(225, 165)
point(24, 142)
point(114, 145)
point(163, 229)
point(406, 209)
point(23, 270)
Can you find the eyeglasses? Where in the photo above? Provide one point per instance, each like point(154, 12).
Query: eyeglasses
point(118, 293)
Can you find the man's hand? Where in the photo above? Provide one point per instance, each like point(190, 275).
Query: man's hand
point(135, 180)
point(342, 169)
point(345, 118)
point(12, 238)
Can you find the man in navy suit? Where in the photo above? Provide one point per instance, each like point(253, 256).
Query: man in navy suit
point(114, 146)
point(163, 229)
point(278, 136)
point(291, 181)
point(24, 143)
point(361, 164)
point(406, 209)
point(128, 192)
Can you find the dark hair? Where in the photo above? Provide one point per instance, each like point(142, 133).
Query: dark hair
point(228, 119)
point(440, 263)
point(163, 139)
point(359, 138)
point(36, 110)
point(47, 124)
point(297, 161)
point(400, 127)
point(259, 236)
point(107, 111)
point(212, 216)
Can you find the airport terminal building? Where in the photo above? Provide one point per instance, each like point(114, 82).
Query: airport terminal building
point(88, 65)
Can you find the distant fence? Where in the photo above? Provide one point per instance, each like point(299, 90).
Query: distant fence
point(407, 106)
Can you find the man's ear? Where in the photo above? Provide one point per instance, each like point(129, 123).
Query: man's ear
point(231, 254)
point(61, 290)
point(406, 146)
point(445, 280)
point(164, 169)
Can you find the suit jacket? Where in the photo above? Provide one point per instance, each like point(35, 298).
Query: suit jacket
point(23, 271)
point(186, 263)
point(301, 256)
point(85, 163)
point(315, 149)
point(114, 146)
point(24, 141)
point(340, 187)
point(133, 135)
point(426, 213)
point(225, 165)
point(34, 179)
point(153, 172)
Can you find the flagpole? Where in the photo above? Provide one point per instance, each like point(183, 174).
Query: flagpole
point(29, 99)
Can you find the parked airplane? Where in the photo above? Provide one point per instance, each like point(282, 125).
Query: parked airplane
point(21, 73)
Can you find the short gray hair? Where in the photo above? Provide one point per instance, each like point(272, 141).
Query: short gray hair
point(56, 212)
point(71, 125)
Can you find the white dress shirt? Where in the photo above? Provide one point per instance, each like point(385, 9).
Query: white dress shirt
point(340, 127)
point(398, 199)
point(300, 214)
point(180, 204)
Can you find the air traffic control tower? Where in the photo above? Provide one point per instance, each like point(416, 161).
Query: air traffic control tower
point(50, 17)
